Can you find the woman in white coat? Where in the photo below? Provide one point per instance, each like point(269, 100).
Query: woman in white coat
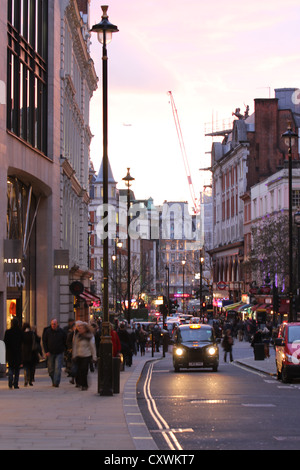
point(83, 351)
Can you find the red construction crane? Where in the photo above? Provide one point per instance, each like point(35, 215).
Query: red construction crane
point(196, 207)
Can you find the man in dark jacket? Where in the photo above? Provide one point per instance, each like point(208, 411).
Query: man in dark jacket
point(13, 342)
point(54, 342)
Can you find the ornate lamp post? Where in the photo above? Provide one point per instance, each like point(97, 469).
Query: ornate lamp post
point(201, 280)
point(119, 246)
point(183, 299)
point(114, 259)
point(289, 140)
point(297, 223)
point(104, 30)
point(128, 179)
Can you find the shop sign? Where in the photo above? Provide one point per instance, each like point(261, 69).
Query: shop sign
point(76, 288)
point(16, 279)
point(221, 285)
point(61, 262)
point(12, 259)
point(265, 289)
point(253, 291)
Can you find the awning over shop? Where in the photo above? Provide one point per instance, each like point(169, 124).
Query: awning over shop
point(255, 307)
point(89, 297)
point(262, 308)
point(233, 306)
point(244, 307)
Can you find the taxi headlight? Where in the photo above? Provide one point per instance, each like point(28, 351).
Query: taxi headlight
point(212, 350)
point(179, 352)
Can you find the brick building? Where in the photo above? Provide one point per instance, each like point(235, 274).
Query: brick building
point(250, 152)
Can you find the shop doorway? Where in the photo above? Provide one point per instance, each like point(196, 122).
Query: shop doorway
point(13, 310)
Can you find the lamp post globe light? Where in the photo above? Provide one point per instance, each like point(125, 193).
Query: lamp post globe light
point(290, 139)
point(104, 30)
point(128, 180)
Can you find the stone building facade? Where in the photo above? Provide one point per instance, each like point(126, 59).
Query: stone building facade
point(39, 181)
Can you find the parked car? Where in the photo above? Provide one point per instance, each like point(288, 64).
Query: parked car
point(195, 346)
point(288, 352)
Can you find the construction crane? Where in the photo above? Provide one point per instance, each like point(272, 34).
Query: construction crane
point(196, 207)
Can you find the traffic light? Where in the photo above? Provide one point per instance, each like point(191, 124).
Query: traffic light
point(203, 306)
point(163, 308)
point(172, 306)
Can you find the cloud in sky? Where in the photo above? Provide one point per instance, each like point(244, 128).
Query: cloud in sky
point(214, 56)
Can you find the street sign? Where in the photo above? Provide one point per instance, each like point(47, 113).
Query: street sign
point(221, 285)
point(76, 288)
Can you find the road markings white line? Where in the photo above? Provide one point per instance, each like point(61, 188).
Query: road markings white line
point(162, 425)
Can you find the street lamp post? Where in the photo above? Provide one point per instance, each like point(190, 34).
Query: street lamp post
point(183, 303)
point(120, 245)
point(297, 223)
point(290, 139)
point(168, 295)
point(114, 259)
point(128, 179)
point(104, 30)
point(201, 280)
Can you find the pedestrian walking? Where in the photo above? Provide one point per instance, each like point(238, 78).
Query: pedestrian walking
point(28, 357)
point(116, 343)
point(37, 351)
point(157, 336)
point(240, 328)
point(70, 367)
point(266, 337)
point(142, 340)
point(227, 344)
point(69, 346)
point(69, 330)
point(54, 342)
point(126, 348)
point(83, 352)
point(13, 339)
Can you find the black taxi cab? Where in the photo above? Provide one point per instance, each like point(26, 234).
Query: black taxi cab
point(195, 346)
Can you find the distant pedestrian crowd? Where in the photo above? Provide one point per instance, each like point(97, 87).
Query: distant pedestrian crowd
point(77, 346)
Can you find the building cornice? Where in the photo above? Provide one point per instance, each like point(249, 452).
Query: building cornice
point(70, 173)
point(80, 45)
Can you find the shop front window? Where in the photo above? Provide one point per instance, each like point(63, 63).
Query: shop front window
point(21, 212)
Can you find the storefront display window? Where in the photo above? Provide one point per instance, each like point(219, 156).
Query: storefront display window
point(21, 212)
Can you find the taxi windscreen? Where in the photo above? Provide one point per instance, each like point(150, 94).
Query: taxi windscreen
point(200, 334)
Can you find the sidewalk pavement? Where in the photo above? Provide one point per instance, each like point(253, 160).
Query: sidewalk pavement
point(267, 366)
point(46, 418)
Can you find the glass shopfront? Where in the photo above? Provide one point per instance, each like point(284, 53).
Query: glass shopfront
point(21, 286)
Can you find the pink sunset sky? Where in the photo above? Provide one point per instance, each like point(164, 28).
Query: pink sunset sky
point(215, 56)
